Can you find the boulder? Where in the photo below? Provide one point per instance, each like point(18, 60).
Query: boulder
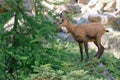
point(116, 24)
point(103, 18)
point(74, 8)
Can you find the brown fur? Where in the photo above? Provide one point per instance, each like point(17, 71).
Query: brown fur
point(84, 33)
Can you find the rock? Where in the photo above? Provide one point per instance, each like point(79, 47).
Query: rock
point(74, 8)
point(116, 24)
point(103, 18)
point(28, 5)
point(98, 6)
point(101, 5)
point(85, 9)
point(94, 18)
point(84, 1)
point(84, 16)
point(82, 20)
point(92, 3)
point(65, 36)
point(109, 5)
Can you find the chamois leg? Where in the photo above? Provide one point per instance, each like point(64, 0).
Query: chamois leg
point(86, 50)
point(81, 51)
point(100, 48)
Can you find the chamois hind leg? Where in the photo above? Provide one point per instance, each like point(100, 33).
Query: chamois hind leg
point(100, 48)
point(81, 51)
point(86, 50)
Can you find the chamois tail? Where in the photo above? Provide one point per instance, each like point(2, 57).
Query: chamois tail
point(107, 30)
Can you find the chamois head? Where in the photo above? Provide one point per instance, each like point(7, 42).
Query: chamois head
point(63, 22)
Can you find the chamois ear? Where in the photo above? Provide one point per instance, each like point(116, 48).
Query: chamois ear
point(62, 14)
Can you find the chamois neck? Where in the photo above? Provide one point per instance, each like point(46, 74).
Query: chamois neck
point(70, 27)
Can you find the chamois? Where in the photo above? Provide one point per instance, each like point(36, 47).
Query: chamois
point(84, 33)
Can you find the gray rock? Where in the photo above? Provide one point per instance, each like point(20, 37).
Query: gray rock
point(103, 18)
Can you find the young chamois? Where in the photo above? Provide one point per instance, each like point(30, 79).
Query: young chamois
point(84, 33)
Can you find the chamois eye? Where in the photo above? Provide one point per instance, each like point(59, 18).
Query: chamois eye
point(62, 20)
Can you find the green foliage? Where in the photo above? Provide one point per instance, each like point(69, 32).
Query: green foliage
point(21, 47)
point(68, 63)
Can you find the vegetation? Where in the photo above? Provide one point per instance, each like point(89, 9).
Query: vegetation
point(31, 51)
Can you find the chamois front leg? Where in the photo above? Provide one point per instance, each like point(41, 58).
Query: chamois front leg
point(81, 51)
point(98, 49)
point(86, 50)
